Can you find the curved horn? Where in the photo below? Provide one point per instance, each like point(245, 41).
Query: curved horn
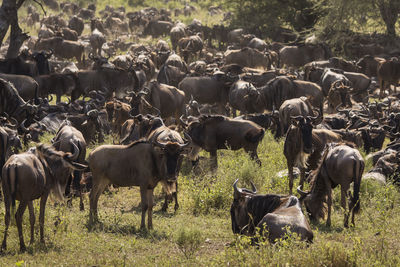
point(156, 142)
point(22, 125)
point(158, 111)
point(235, 188)
point(182, 121)
point(76, 152)
point(253, 188)
point(301, 192)
point(187, 142)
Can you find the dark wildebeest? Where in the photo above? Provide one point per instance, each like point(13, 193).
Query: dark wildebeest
point(219, 132)
point(208, 90)
point(247, 57)
point(26, 86)
point(388, 74)
point(303, 145)
point(170, 75)
point(12, 103)
point(329, 76)
point(29, 176)
point(149, 163)
point(67, 139)
point(278, 215)
point(340, 165)
point(243, 96)
point(369, 65)
point(282, 88)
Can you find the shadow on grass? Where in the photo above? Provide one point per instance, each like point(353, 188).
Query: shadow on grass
point(321, 226)
point(125, 230)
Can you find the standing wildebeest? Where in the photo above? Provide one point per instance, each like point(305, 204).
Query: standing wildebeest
point(282, 88)
point(176, 33)
point(340, 164)
point(303, 145)
point(170, 75)
point(29, 176)
point(243, 96)
point(190, 45)
point(67, 139)
point(149, 163)
point(276, 214)
point(97, 40)
point(388, 74)
point(57, 83)
point(291, 108)
point(329, 76)
point(297, 56)
point(208, 90)
point(26, 86)
point(219, 132)
point(247, 57)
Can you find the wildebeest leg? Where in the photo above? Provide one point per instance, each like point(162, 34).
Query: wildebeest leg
point(254, 156)
point(302, 177)
point(329, 187)
point(77, 187)
point(382, 88)
point(290, 170)
point(95, 193)
point(6, 221)
point(175, 196)
point(214, 160)
point(343, 203)
point(150, 203)
point(32, 221)
point(43, 201)
point(18, 217)
point(145, 205)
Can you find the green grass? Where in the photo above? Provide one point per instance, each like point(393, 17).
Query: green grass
point(202, 225)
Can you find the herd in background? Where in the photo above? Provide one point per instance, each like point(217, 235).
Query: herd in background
point(152, 95)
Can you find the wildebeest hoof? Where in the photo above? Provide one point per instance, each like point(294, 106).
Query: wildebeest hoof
point(22, 249)
point(176, 207)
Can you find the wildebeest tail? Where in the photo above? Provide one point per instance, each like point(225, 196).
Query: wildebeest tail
point(10, 180)
point(37, 95)
point(358, 171)
point(255, 136)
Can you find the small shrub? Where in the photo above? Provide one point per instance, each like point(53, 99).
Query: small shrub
point(189, 241)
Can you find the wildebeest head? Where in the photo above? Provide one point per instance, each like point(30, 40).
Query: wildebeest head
point(338, 95)
point(170, 157)
point(305, 124)
point(42, 61)
point(239, 215)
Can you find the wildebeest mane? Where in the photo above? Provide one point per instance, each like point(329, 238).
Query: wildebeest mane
point(259, 205)
point(140, 141)
point(207, 118)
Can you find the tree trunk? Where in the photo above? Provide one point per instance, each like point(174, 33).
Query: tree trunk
point(389, 10)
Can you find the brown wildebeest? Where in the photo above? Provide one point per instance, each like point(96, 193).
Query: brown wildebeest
point(148, 164)
point(388, 74)
point(303, 145)
point(32, 175)
point(274, 213)
point(340, 165)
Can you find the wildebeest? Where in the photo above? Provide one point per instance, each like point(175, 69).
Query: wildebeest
point(243, 96)
point(291, 108)
point(340, 165)
point(149, 163)
point(303, 145)
point(297, 56)
point(282, 88)
point(369, 65)
point(247, 57)
point(275, 214)
point(68, 139)
point(57, 83)
point(213, 132)
point(12, 103)
point(29, 176)
point(62, 48)
point(388, 74)
point(329, 76)
point(26, 86)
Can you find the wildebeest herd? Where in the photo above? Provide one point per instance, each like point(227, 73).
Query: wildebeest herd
point(166, 102)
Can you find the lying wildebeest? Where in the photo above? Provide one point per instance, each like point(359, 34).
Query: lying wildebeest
point(149, 163)
point(219, 132)
point(29, 176)
point(303, 145)
point(278, 215)
point(340, 164)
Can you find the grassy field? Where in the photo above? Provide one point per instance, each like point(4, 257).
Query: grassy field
point(199, 233)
